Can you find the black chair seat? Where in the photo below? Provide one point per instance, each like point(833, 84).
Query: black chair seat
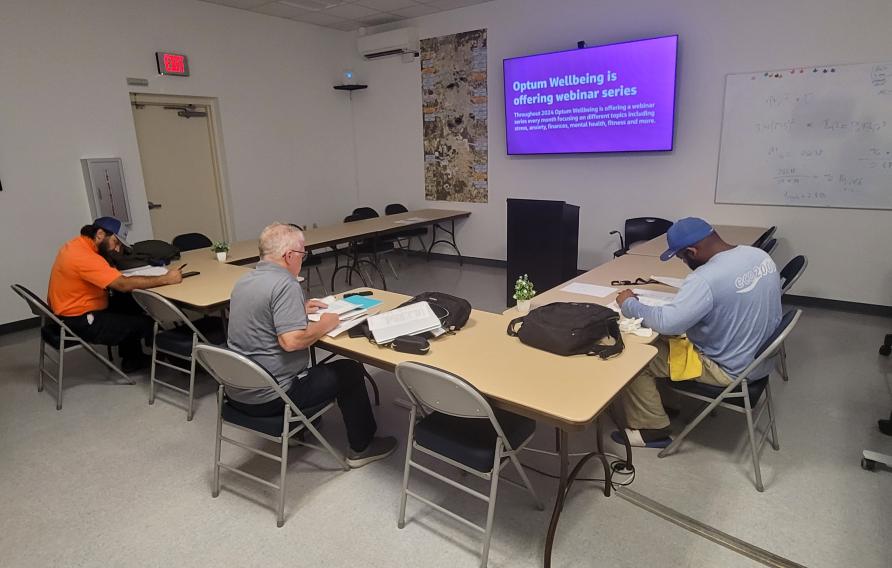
point(755, 389)
point(271, 425)
point(179, 339)
point(471, 441)
point(51, 334)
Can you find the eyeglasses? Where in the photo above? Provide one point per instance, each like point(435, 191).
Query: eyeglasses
point(635, 282)
point(303, 253)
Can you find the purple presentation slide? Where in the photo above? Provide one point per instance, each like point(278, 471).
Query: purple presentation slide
point(611, 98)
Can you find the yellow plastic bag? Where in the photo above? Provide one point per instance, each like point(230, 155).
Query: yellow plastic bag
point(684, 362)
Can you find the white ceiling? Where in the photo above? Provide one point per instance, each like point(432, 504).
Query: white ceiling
point(347, 15)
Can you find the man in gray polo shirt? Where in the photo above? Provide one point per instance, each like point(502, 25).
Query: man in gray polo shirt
point(268, 323)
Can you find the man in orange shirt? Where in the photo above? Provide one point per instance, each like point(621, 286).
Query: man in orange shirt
point(78, 292)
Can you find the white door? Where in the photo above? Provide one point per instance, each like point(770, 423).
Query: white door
point(180, 173)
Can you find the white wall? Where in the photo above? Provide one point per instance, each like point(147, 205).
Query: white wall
point(287, 135)
point(848, 250)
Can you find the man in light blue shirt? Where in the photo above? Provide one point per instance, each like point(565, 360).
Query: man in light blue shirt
point(728, 306)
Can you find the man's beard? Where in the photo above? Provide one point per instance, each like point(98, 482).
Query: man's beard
point(105, 249)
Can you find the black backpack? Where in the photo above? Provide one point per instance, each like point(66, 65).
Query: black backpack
point(570, 328)
point(151, 252)
point(452, 311)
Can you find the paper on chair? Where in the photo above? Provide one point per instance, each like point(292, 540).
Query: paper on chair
point(669, 280)
point(589, 289)
point(145, 271)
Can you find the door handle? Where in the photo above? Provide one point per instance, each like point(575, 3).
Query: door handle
point(154, 206)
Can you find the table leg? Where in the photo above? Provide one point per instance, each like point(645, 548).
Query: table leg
point(561, 443)
point(451, 241)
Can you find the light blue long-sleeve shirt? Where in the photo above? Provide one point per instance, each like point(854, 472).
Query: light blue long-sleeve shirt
point(728, 307)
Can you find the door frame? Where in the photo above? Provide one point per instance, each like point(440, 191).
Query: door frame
point(216, 140)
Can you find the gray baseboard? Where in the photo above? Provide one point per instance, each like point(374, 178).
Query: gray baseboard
point(19, 325)
point(839, 305)
point(469, 259)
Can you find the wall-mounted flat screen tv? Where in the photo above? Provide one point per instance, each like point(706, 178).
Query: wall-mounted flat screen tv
point(609, 98)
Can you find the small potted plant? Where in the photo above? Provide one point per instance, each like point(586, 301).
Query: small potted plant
point(220, 248)
point(523, 293)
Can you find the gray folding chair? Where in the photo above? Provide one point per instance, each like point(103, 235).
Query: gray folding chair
point(57, 335)
point(759, 243)
point(769, 246)
point(451, 421)
point(233, 370)
point(743, 395)
point(175, 336)
point(789, 274)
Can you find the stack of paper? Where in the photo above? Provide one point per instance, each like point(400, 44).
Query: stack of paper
point(409, 320)
point(345, 310)
point(145, 271)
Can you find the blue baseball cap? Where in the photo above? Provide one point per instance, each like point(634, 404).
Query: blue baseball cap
point(684, 233)
point(113, 226)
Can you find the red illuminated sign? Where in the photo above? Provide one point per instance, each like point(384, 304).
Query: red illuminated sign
point(172, 63)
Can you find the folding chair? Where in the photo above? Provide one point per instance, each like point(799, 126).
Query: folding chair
point(459, 427)
point(408, 234)
point(769, 246)
point(640, 229)
point(758, 243)
point(789, 274)
point(176, 336)
point(233, 370)
point(191, 241)
point(743, 395)
point(56, 334)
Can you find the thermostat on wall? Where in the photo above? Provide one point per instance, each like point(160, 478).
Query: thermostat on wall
point(172, 63)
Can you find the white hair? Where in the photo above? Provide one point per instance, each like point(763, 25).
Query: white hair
point(278, 238)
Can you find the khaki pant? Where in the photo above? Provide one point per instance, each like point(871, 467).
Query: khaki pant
point(641, 398)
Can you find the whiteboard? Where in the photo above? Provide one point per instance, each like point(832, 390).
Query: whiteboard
point(808, 137)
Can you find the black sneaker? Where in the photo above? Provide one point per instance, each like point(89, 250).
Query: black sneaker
point(378, 449)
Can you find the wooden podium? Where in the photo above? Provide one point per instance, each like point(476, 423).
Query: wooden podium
point(543, 242)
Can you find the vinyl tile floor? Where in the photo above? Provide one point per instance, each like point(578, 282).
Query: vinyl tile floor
point(112, 481)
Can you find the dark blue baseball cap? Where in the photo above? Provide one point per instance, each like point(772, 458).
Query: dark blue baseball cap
point(684, 233)
point(113, 226)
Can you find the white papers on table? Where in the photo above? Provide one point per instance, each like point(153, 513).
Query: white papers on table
point(345, 310)
point(653, 298)
point(588, 289)
point(345, 325)
point(409, 320)
point(669, 280)
point(409, 220)
point(145, 271)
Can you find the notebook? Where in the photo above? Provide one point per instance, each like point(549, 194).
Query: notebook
point(365, 302)
point(409, 320)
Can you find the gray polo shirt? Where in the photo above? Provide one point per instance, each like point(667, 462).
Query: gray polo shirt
point(266, 303)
